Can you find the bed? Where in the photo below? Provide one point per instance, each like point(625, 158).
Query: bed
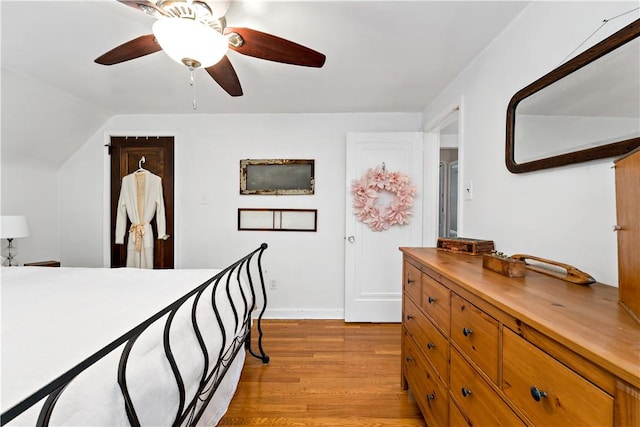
point(110, 347)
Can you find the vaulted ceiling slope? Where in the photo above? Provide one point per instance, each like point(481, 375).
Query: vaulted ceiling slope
point(382, 56)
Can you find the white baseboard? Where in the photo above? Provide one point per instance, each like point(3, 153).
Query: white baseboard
point(303, 313)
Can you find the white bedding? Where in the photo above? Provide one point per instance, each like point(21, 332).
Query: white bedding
point(53, 318)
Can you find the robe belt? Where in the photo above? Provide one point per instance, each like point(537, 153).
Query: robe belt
point(137, 230)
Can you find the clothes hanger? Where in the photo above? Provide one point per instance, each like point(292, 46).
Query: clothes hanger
point(140, 162)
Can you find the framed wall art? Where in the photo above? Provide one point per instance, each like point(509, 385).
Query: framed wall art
point(266, 219)
point(277, 176)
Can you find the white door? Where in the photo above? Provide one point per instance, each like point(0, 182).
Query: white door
point(373, 262)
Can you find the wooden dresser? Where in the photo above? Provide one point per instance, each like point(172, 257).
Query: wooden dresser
point(481, 349)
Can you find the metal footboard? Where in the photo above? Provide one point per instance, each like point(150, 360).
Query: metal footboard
point(190, 408)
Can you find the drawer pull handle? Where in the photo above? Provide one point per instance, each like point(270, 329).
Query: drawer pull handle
point(431, 397)
point(409, 359)
point(431, 300)
point(409, 317)
point(430, 345)
point(410, 281)
point(537, 394)
point(466, 332)
point(465, 392)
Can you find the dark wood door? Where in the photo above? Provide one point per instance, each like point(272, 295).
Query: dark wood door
point(126, 153)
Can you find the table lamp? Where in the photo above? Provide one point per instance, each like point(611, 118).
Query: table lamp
point(13, 227)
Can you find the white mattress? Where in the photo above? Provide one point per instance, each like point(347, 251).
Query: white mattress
point(53, 318)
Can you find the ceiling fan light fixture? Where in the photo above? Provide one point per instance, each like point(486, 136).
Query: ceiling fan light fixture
point(190, 42)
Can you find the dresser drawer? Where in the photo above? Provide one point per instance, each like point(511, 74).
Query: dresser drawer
point(549, 393)
point(412, 280)
point(476, 333)
point(430, 394)
point(456, 418)
point(479, 402)
point(436, 302)
point(427, 338)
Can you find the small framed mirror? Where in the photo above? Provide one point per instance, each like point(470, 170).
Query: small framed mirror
point(586, 109)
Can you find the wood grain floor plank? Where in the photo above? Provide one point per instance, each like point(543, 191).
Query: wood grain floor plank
point(324, 373)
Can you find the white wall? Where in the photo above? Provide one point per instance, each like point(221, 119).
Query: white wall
point(308, 267)
point(563, 214)
point(32, 191)
point(41, 128)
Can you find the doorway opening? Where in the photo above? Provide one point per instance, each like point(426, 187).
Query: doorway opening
point(443, 175)
point(448, 180)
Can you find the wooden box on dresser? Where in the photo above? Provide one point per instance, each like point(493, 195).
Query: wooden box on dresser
point(481, 349)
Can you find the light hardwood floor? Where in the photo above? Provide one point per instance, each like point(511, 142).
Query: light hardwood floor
point(324, 373)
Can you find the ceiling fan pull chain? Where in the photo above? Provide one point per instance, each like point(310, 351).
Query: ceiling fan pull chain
point(192, 82)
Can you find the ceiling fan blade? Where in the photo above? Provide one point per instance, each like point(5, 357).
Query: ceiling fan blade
point(267, 46)
point(145, 6)
point(141, 46)
point(224, 74)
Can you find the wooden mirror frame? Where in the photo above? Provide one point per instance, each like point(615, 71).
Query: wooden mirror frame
point(618, 148)
point(277, 176)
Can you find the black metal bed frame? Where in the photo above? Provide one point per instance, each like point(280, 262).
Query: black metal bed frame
point(188, 413)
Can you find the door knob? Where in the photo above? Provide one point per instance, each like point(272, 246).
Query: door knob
point(351, 239)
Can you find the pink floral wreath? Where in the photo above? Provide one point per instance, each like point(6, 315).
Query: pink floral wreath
point(365, 196)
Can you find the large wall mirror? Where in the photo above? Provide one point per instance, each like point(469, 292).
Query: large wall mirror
point(586, 109)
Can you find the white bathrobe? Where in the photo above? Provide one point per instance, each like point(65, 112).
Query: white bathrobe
point(140, 245)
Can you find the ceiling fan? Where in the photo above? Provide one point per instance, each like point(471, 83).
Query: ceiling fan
point(191, 33)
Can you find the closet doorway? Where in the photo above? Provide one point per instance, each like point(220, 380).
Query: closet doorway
point(126, 153)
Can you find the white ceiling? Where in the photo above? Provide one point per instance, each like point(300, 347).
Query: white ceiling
point(382, 56)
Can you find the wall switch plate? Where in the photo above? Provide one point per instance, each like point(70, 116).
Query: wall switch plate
point(468, 190)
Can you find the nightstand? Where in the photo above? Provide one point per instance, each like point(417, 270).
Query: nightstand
point(42, 264)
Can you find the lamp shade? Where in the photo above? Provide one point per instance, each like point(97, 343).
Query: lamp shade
point(190, 42)
point(13, 226)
